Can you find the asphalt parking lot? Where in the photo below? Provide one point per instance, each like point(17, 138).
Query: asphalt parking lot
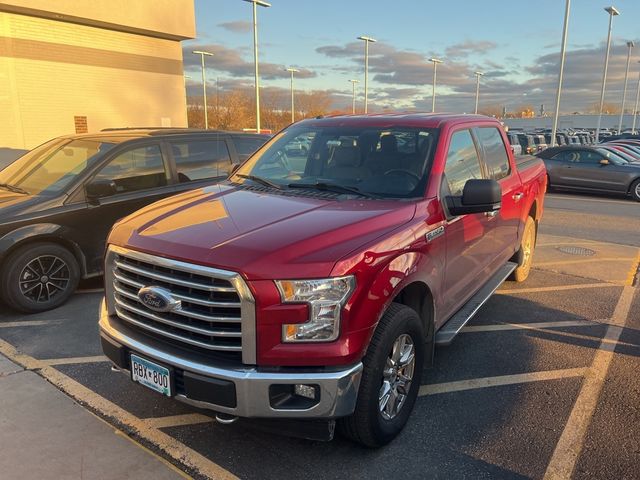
point(542, 383)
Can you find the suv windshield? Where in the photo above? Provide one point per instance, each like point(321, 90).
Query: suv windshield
point(376, 162)
point(49, 168)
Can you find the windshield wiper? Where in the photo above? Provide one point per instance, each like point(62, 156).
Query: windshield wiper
point(13, 188)
point(262, 181)
point(333, 187)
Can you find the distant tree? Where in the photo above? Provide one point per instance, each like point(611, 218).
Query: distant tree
point(491, 110)
point(607, 108)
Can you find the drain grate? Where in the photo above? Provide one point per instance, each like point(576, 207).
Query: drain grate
point(585, 252)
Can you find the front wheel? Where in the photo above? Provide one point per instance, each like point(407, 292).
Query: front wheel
point(38, 277)
point(524, 256)
point(635, 190)
point(390, 379)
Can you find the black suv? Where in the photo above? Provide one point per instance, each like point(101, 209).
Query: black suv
point(59, 201)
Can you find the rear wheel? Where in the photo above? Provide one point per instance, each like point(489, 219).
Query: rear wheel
point(390, 379)
point(38, 277)
point(524, 256)
point(635, 190)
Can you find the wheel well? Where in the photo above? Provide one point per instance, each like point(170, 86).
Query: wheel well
point(533, 211)
point(631, 184)
point(418, 297)
point(74, 249)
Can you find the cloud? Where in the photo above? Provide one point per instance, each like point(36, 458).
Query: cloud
point(466, 48)
point(238, 26)
point(233, 62)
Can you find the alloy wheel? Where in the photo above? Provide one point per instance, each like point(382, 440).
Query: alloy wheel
point(397, 377)
point(44, 277)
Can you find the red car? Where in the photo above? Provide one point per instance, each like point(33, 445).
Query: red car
point(314, 285)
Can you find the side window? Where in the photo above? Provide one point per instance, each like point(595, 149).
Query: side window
point(587, 156)
point(561, 157)
point(462, 162)
point(199, 160)
point(137, 169)
point(495, 153)
point(245, 146)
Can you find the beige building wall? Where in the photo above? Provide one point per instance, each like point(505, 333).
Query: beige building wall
point(52, 71)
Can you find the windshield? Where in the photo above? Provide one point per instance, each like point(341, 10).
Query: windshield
point(49, 168)
point(381, 162)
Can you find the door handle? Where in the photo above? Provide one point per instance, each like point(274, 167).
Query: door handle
point(491, 214)
point(518, 196)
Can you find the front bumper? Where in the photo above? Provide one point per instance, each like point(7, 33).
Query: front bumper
point(243, 391)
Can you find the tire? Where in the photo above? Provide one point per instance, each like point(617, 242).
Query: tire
point(524, 256)
point(369, 425)
point(549, 186)
point(635, 190)
point(22, 290)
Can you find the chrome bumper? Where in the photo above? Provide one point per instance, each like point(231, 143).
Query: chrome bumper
point(338, 389)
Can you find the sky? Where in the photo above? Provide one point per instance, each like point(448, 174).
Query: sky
point(516, 43)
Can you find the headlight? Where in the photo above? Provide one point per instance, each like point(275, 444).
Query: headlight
point(325, 298)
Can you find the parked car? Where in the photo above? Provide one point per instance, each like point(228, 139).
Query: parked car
point(529, 146)
point(319, 293)
point(540, 142)
point(591, 169)
point(59, 201)
point(516, 148)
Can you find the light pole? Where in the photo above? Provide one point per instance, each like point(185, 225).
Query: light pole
point(255, 55)
point(612, 13)
point(353, 95)
point(367, 41)
point(635, 109)
point(435, 71)
point(204, 84)
point(478, 75)
point(563, 49)
point(292, 71)
point(630, 45)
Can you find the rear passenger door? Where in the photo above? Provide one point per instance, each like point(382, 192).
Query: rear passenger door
point(469, 239)
point(506, 222)
point(199, 162)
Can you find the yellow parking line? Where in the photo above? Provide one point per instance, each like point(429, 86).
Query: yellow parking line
point(528, 326)
point(169, 445)
point(557, 288)
point(571, 441)
point(73, 360)
point(584, 260)
point(633, 270)
point(502, 380)
point(178, 420)
point(90, 290)
point(28, 323)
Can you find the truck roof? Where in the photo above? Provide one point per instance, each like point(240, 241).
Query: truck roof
point(427, 120)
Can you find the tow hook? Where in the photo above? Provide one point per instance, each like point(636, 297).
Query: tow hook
point(225, 418)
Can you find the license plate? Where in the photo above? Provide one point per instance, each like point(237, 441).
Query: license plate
point(151, 375)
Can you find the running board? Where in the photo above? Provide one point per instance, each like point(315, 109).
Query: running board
point(449, 330)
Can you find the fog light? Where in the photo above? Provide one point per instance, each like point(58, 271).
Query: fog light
point(306, 391)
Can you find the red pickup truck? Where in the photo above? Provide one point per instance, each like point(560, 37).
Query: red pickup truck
point(315, 282)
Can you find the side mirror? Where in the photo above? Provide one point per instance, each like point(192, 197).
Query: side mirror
point(100, 189)
point(604, 161)
point(478, 196)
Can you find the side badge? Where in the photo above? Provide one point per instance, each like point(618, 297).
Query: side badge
point(435, 233)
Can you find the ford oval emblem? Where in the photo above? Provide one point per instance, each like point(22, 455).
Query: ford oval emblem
point(157, 299)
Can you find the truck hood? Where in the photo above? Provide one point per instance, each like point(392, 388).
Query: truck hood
point(261, 235)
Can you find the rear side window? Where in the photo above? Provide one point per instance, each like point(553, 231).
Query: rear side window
point(495, 152)
point(245, 146)
point(462, 162)
point(138, 169)
point(199, 160)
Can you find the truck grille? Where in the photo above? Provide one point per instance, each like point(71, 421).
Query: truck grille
point(216, 311)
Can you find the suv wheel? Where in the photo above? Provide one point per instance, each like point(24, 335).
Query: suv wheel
point(390, 379)
point(635, 190)
point(38, 277)
point(524, 256)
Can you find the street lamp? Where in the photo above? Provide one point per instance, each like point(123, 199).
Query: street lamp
point(367, 41)
point(563, 49)
point(635, 109)
point(612, 13)
point(435, 70)
point(353, 95)
point(292, 71)
point(478, 75)
point(255, 55)
point(630, 45)
point(204, 84)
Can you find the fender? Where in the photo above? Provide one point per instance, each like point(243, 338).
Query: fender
point(41, 231)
